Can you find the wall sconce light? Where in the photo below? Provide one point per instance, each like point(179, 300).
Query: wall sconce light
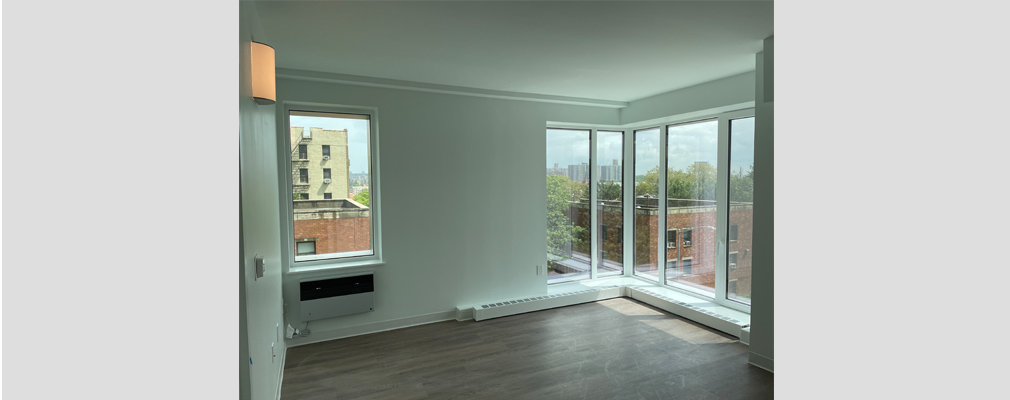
point(264, 85)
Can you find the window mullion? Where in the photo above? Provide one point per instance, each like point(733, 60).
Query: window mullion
point(628, 187)
point(722, 210)
point(661, 224)
point(594, 244)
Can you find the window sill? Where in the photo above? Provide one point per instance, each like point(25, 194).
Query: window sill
point(331, 265)
point(678, 295)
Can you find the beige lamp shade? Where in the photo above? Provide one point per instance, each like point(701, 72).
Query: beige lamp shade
point(264, 84)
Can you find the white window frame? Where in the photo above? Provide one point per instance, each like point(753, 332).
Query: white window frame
point(723, 115)
point(328, 261)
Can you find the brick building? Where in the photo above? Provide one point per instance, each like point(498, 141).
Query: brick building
point(331, 226)
point(690, 241)
point(319, 164)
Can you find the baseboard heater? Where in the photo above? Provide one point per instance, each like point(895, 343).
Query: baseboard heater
point(519, 306)
point(690, 311)
point(332, 297)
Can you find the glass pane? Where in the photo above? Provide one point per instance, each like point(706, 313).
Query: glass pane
point(335, 215)
point(647, 203)
point(568, 208)
point(609, 180)
point(691, 210)
point(741, 208)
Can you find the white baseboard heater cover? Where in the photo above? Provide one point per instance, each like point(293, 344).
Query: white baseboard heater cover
point(519, 306)
point(335, 296)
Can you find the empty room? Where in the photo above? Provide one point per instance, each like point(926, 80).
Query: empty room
point(516, 200)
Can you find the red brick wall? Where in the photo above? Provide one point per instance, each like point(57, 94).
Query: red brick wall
point(336, 235)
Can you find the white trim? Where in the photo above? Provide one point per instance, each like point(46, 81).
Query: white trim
point(317, 336)
point(594, 232)
point(344, 260)
point(760, 361)
point(357, 80)
point(280, 374)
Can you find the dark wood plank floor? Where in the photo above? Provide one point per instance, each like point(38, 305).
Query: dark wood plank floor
point(612, 349)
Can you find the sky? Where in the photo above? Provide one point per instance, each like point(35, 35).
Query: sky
point(357, 136)
point(687, 144)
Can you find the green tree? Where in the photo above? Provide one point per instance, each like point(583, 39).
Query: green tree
point(362, 197)
point(608, 191)
point(561, 192)
point(649, 184)
point(741, 187)
point(703, 177)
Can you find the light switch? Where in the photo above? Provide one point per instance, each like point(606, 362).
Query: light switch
point(259, 267)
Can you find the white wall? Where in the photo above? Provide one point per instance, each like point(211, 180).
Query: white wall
point(762, 346)
point(260, 300)
point(463, 209)
point(707, 97)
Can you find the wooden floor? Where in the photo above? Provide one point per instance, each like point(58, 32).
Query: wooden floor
point(612, 349)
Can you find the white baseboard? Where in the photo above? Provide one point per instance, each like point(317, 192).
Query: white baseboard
point(280, 377)
point(762, 362)
point(464, 314)
point(322, 336)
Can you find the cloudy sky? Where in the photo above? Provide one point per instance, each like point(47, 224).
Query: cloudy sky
point(357, 136)
point(687, 144)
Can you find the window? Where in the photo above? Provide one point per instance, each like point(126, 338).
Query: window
point(341, 230)
point(306, 248)
point(741, 207)
point(671, 270)
point(647, 237)
point(610, 202)
point(671, 238)
point(303, 152)
point(692, 155)
point(569, 238)
point(303, 196)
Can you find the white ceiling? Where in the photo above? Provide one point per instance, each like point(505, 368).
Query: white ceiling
point(618, 51)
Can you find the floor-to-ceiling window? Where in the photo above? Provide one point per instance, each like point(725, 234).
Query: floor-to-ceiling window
point(610, 202)
point(569, 229)
point(647, 151)
point(741, 209)
point(689, 217)
point(691, 184)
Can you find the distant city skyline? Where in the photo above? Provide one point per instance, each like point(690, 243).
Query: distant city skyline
point(688, 144)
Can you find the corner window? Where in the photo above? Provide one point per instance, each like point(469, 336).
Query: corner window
point(337, 145)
